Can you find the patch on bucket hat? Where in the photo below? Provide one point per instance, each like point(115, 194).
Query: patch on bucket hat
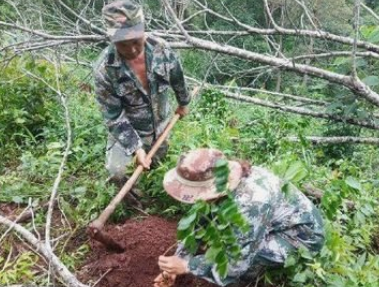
point(124, 20)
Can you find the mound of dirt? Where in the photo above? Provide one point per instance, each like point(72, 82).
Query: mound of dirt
point(144, 239)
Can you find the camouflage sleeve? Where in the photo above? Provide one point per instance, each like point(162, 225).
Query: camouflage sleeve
point(177, 81)
point(258, 214)
point(114, 115)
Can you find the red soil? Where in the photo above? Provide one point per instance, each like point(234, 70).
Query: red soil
point(145, 240)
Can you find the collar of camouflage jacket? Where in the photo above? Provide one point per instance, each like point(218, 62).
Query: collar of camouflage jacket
point(113, 58)
point(114, 61)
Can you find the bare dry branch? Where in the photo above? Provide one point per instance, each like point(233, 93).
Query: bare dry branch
point(316, 34)
point(94, 38)
point(317, 193)
point(337, 140)
point(357, 6)
point(67, 277)
point(334, 54)
point(355, 85)
point(280, 30)
point(368, 9)
point(94, 27)
point(302, 111)
point(262, 91)
point(57, 180)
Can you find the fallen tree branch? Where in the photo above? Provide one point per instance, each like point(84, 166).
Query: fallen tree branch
point(67, 277)
point(352, 83)
point(355, 85)
point(295, 110)
point(357, 6)
point(311, 33)
point(317, 193)
point(28, 214)
point(94, 38)
point(336, 140)
point(368, 9)
point(284, 31)
point(57, 180)
point(18, 217)
point(334, 54)
point(302, 111)
point(84, 20)
point(262, 91)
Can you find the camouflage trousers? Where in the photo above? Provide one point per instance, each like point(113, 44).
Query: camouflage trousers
point(117, 161)
point(275, 249)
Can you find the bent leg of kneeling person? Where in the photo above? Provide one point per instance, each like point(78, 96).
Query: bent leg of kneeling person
point(273, 252)
point(117, 161)
point(276, 248)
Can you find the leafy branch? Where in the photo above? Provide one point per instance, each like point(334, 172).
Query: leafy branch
point(212, 227)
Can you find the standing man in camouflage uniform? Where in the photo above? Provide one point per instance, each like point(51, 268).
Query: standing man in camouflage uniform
point(131, 80)
point(280, 223)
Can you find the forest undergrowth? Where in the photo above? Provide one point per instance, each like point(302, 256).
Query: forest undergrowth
point(33, 139)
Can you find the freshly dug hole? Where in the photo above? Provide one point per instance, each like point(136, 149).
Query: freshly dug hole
point(144, 239)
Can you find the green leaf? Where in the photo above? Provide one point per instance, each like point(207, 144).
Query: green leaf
point(190, 243)
point(182, 234)
point(200, 233)
point(186, 222)
point(361, 260)
point(229, 211)
point(80, 189)
point(300, 277)
point(222, 264)
point(221, 163)
point(296, 172)
point(371, 81)
point(234, 250)
point(373, 37)
point(210, 233)
point(353, 183)
point(212, 253)
point(290, 261)
point(222, 226)
point(20, 121)
point(17, 199)
point(214, 208)
point(305, 253)
point(54, 145)
point(42, 69)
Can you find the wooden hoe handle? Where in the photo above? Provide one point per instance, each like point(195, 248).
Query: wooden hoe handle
point(98, 224)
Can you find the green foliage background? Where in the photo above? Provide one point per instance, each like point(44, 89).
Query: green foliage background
point(33, 138)
point(241, 131)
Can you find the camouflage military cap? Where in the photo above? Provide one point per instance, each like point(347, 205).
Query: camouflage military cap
point(193, 178)
point(124, 20)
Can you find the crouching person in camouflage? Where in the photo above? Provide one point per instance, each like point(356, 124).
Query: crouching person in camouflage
point(280, 223)
point(132, 76)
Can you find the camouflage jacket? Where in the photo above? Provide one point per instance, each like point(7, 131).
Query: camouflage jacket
point(277, 220)
point(129, 111)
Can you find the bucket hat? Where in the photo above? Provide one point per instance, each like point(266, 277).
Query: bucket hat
point(193, 177)
point(124, 20)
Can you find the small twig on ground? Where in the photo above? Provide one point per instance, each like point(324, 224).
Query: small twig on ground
point(102, 277)
point(140, 210)
point(26, 215)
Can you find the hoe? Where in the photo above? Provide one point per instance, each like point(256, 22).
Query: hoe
point(95, 228)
